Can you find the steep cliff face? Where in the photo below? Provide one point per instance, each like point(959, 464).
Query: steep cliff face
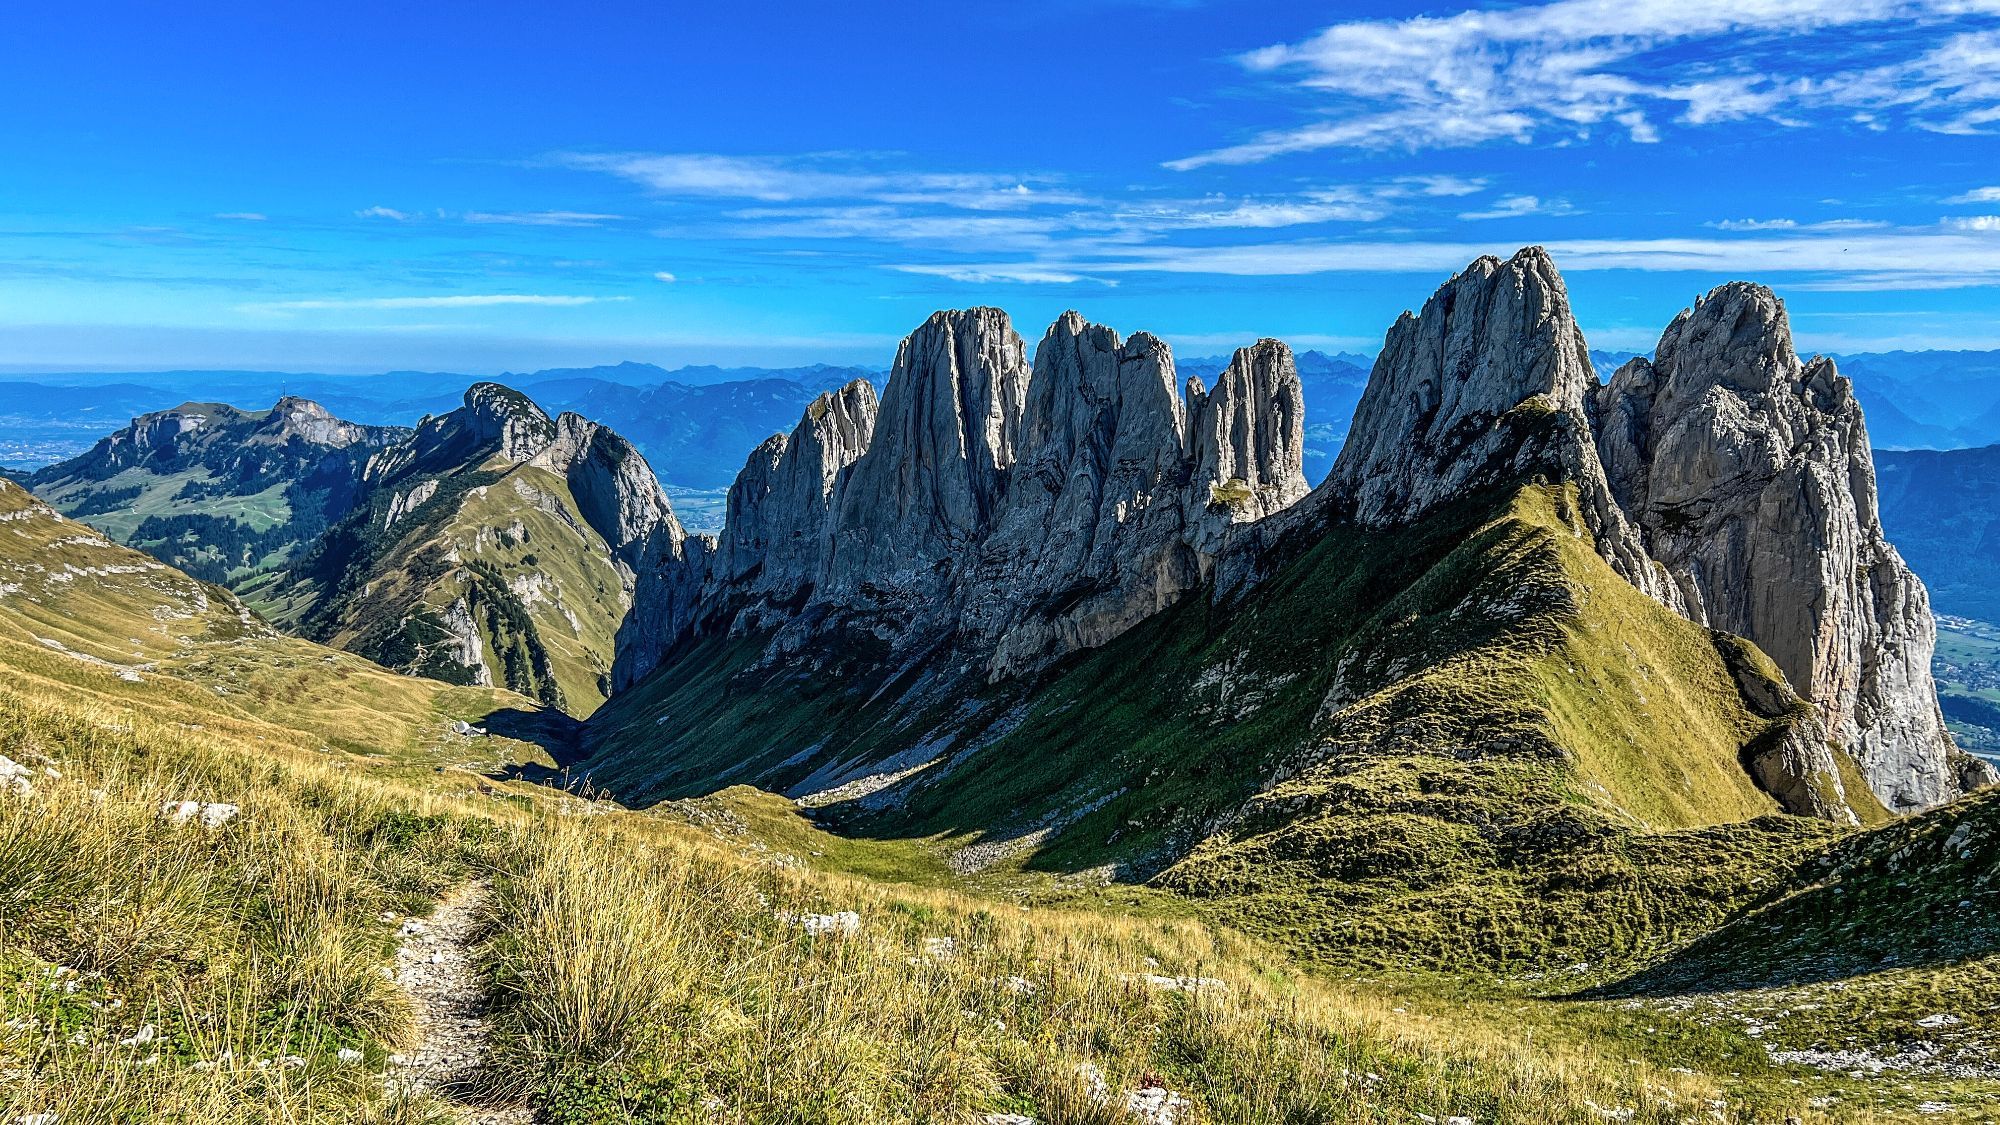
point(1247, 435)
point(1007, 514)
point(1489, 383)
point(1750, 477)
point(933, 476)
point(1092, 536)
point(775, 531)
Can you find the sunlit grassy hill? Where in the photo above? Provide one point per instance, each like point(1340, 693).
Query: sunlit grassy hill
point(630, 967)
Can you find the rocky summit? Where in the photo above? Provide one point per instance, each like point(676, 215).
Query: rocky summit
point(494, 546)
point(222, 493)
point(1750, 477)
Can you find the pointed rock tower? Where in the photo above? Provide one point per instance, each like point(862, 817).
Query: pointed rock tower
point(1750, 477)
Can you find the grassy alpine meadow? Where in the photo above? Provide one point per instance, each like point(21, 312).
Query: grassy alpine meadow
point(636, 969)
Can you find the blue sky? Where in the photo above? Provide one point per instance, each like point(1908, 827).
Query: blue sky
point(494, 186)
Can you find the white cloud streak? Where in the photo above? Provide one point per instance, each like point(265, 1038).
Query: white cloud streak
point(1515, 206)
point(456, 301)
point(769, 179)
point(1574, 68)
point(542, 218)
point(1968, 255)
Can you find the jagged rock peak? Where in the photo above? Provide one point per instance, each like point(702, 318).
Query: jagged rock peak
point(493, 412)
point(1247, 435)
point(1750, 476)
point(777, 509)
point(931, 479)
point(1488, 385)
point(311, 422)
point(1093, 535)
point(1497, 337)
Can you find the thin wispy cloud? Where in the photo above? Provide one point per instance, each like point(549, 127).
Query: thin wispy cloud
point(988, 274)
point(771, 179)
point(1795, 225)
point(1977, 195)
point(454, 301)
point(243, 216)
point(379, 212)
point(1516, 206)
point(663, 275)
point(1965, 255)
point(1579, 69)
point(542, 218)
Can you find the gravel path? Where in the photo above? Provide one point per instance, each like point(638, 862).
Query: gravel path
point(434, 965)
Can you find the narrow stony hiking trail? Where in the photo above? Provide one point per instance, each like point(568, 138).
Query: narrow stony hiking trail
point(434, 965)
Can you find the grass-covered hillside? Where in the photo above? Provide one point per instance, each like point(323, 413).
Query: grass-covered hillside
point(466, 560)
point(221, 493)
point(1462, 742)
point(371, 930)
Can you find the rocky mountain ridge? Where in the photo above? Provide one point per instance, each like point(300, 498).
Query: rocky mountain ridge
point(996, 519)
point(1009, 513)
point(495, 546)
point(219, 492)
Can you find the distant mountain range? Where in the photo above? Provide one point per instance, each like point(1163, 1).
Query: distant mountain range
point(694, 424)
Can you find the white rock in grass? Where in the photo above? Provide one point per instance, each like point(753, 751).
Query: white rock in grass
point(146, 1034)
point(1152, 1105)
point(841, 923)
point(1156, 1105)
point(1178, 984)
point(940, 948)
point(1939, 1020)
point(348, 1055)
point(36, 1119)
point(14, 777)
point(1005, 1119)
point(212, 814)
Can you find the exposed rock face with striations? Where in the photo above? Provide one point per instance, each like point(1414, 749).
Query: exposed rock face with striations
point(1458, 401)
point(1008, 513)
point(779, 506)
point(934, 473)
point(1247, 435)
point(1092, 537)
point(1750, 477)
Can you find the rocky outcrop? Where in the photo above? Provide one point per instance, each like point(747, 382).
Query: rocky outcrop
point(1008, 514)
point(1488, 385)
point(929, 485)
point(1750, 478)
point(615, 491)
point(1247, 436)
point(1093, 536)
point(778, 509)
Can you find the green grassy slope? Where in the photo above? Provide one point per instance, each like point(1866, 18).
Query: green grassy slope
point(84, 616)
point(225, 500)
point(1466, 739)
point(500, 550)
